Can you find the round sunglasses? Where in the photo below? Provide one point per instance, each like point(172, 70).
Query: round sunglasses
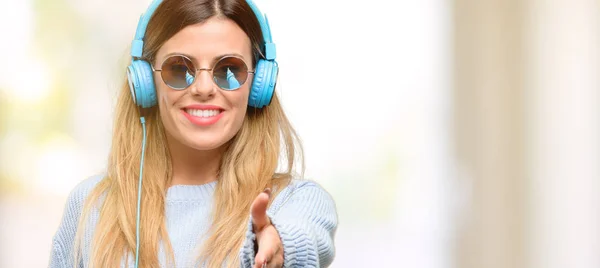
point(179, 72)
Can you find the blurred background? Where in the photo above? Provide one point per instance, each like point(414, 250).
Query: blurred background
point(452, 134)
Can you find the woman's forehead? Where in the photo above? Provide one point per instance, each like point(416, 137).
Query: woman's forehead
point(208, 40)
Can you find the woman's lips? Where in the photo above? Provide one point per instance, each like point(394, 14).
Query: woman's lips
point(204, 115)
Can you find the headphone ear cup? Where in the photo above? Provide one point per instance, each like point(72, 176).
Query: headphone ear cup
point(263, 84)
point(141, 83)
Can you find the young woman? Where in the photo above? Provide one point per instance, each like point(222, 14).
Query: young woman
point(193, 178)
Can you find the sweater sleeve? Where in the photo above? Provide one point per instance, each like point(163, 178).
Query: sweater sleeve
point(62, 255)
point(306, 220)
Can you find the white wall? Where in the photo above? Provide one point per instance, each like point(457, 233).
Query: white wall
point(367, 86)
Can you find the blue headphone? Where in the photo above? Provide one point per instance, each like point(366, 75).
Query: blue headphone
point(140, 76)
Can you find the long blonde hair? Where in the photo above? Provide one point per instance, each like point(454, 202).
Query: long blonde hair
point(249, 165)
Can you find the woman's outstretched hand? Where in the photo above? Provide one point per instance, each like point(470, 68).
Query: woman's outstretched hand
point(270, 248)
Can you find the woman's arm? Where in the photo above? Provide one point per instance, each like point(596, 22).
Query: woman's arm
point(305, 218)
point(62, 254)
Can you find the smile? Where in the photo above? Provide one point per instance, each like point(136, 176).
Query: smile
point(202, 117)
point(202, 113)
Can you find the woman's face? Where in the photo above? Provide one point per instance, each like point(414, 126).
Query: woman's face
point(204, 116)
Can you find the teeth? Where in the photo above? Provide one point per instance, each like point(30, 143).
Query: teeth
point(202, 113)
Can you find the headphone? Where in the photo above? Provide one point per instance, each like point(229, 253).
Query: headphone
point(140, 75)
point(143, 90)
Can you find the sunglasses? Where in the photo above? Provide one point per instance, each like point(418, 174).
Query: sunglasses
point(179, 72)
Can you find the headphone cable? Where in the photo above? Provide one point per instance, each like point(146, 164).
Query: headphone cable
point(139, 201)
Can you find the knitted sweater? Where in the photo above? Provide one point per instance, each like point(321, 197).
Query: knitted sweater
point(304, 215)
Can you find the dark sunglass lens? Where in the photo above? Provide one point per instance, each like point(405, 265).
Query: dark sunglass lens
point(178, 72)
point(230, 73)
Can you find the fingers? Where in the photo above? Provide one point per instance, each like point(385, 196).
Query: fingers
point(270, 250)
point(259, 211)
point(277, 262)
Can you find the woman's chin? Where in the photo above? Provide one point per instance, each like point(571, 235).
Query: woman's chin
point(205, 145)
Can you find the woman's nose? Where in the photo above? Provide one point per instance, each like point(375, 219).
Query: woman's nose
point(203, 85)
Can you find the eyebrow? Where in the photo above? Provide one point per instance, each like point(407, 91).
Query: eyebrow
point(195, 60)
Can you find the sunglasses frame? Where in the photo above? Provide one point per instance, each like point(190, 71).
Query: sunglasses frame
point(202, 69)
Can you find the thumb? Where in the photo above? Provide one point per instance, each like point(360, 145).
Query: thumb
point(259, 211)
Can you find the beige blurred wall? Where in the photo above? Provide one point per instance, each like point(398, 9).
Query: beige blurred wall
point(489, 133)
point(527, 130)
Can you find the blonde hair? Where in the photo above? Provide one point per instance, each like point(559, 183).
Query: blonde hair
point(248, 166)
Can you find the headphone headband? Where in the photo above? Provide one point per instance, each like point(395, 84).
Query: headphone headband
point(270, 53)
point(137, 46)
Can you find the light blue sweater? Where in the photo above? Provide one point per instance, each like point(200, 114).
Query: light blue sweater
point(303, 213)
